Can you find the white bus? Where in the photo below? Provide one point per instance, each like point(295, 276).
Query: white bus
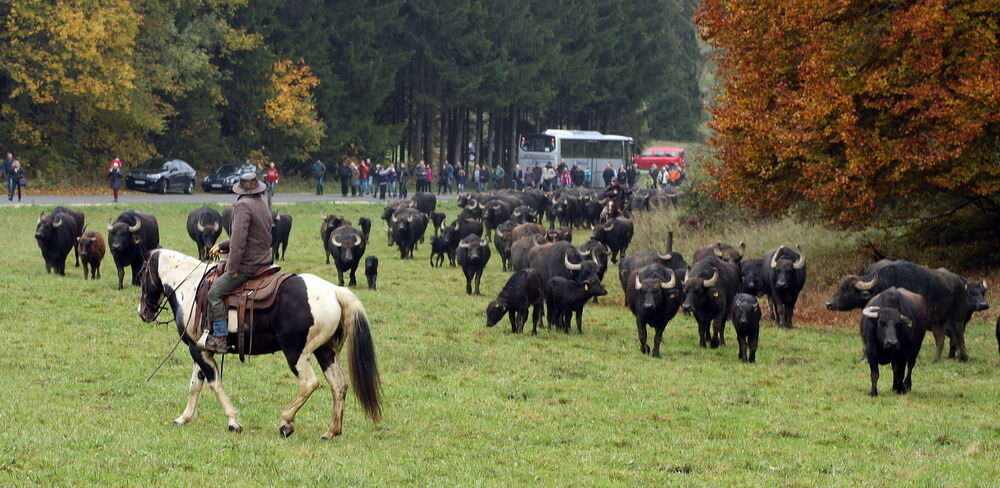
point(590, 150)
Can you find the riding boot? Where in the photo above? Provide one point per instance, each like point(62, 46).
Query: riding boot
point(218, 341)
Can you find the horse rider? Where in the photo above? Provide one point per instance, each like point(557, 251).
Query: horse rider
point(249, 248)
point(616, 195)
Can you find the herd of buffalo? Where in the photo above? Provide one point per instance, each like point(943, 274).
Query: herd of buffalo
point(900, 300)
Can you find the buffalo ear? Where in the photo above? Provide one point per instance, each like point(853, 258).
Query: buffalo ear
point(906, 321)
point(136, 239)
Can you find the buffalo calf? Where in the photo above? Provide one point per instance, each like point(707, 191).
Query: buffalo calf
point(563, 297)
point(90, 247)
point(439, 247)
point(523, 289)
point(371, 271)
point(746, 321)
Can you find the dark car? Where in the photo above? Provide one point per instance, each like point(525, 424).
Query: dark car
point(161, 175)
point(225, 176)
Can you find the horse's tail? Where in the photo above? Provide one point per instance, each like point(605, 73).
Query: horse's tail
point(363, 366)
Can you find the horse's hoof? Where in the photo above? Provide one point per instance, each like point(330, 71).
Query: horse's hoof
point(286, 430)
point(180, 421)
point(237, 428)
point(329, 436)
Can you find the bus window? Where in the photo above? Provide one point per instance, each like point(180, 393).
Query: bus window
point(609, 150)
point(538, 143)
point(574, 149)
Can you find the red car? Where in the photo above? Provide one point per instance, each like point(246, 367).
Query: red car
point(660, 156)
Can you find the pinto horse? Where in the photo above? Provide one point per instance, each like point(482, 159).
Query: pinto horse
point(311, 316)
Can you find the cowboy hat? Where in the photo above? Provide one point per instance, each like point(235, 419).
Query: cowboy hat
point(249, 185)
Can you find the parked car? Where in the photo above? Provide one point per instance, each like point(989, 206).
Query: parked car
point(225, 176)
point(161, 175)
point(660, 157)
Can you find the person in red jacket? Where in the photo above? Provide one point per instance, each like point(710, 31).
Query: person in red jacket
point(270, 179)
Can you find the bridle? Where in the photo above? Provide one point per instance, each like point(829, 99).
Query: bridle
point(165, 299)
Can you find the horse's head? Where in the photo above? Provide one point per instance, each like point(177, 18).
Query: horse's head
point(151, 288)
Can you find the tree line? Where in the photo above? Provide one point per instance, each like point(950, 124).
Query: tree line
point(212, 81)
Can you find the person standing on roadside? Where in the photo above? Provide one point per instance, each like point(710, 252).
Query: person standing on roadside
point(404, 174)
point(364, 171)
point(319, 172)
point(355, 176)
point(6, 169)
point(460, 180)
point(429, 186)
point(17, 176)
point(608, 175)
point(498, 175)
point(383, 181)
point(345, 177)
point(391, 179)
point(115, 177)
point(421, 172)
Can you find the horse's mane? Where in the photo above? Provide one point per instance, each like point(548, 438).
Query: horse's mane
point(181, 262)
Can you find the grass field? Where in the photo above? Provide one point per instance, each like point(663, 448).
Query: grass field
point(465, 405)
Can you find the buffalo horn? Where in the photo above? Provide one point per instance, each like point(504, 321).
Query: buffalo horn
point(801, 262)
point(638, 284)
point(774, 257)
point(984, 283)
point(665, 257)
point(865, 286)
point(463, 244)
point(42, 214)
point(136, 227)
point(870, 312)
point(495, 205)
point(585, 254)
point(277, 217)
point(594, 258)
point(337, 243)
point(201, 228)
point(713, 280)
point(607, 250)
point(410, 218)
point(670, 284)
point(687, 274)
point(608, 226)
point(743, 248)
point(570, 266)
point(517, 214)
point(57, 222)
point(393, 218)
point(484, 242)
point(109, 223)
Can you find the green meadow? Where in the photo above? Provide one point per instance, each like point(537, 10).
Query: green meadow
point(467, 405)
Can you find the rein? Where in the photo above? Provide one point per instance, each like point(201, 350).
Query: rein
point(163, 305)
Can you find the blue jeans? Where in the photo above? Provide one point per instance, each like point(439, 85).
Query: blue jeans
point(10, 187)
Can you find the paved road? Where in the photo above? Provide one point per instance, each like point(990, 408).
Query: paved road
point(147, 198)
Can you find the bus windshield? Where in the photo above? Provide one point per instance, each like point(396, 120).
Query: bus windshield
point(537, 143)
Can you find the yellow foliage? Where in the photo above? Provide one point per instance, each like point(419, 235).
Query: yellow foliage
point(292, 102)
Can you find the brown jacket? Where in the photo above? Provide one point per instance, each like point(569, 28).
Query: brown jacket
point(249, 244)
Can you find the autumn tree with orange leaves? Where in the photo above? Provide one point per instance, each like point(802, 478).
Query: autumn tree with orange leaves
point(856, 110)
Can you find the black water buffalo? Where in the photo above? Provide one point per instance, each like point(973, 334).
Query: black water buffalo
point(520, 251)
point(131, 238)
point(347, 246)
point(331, 222)
point(407, 226)
point(560, 234)
point(281, 228)
point(564, 260)
point(893, 324)
point(366, 227)
point(56, 235)
point(654, 295)
point(616, 234)
point(424, 202)
point(90, 246)
point(673, 261)
point(564, 297)
point(709, 287)
point(497, 211)
point(523, 213)
point(752, 277)
point(437, 220)
point(945, 297)
point(227, 220)
point(204, 226)
point(458, 230)
point(598, 252)
point(565, 209)
point(387, 214)
point(439, 247)
point(473, 255)
point(523, 289)
point(746, 320)
point(371, 272)
point(722, 251)
point(784, 275)
point(526, 229)
point(502, 242)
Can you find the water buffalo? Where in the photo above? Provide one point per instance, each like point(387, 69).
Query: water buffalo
point(722, 251)
point(439, 247)
point(502, 242)
point(598, 252)
point(616, 234)
point(564, 260)
point(56, 235)
point(752, 277)
point(564, 297)
point(526, 229)
point(523, 213)
point(437, 220)
point(281, 228)
point(366, 227)
point(560, 234)
point(520, 251)
point(227, 220)
point(407, 226)
point(90, 246)
point(131, 238)
point(424, 202)
point(497, 211)
point(944, 294)
point(331, 222)
point(473, 255)
point(204, 226)
point(709, 289)
point(371, 271)
point(523, 289)
point(654, 295)
point(893, 324)
point(746, 320)
point(784, 275)
point(458, 230)
point(347, 246)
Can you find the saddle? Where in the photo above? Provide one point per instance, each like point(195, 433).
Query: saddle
point(259, 292)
